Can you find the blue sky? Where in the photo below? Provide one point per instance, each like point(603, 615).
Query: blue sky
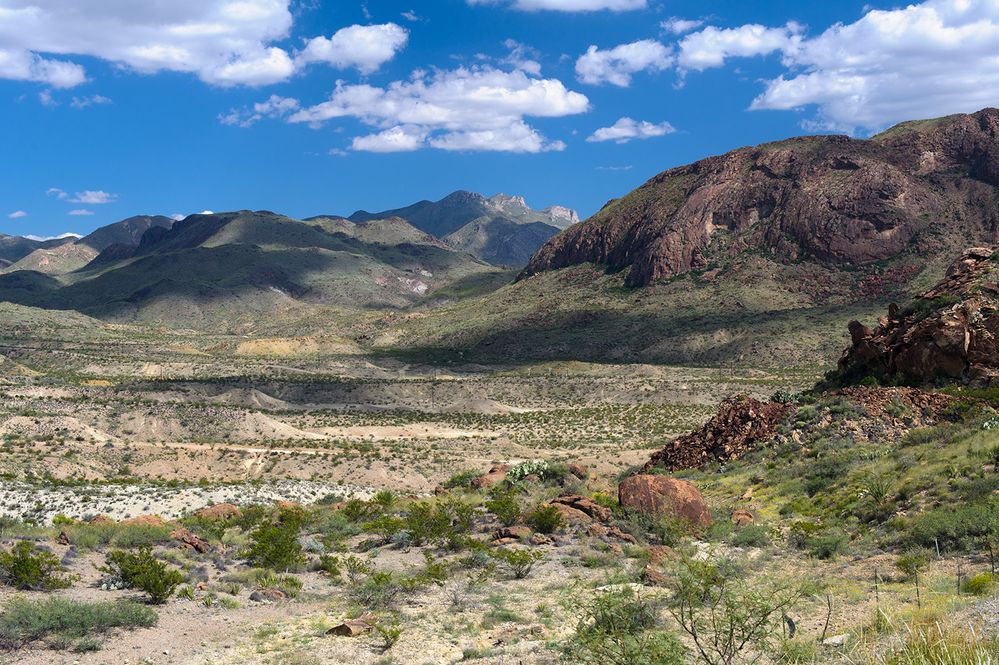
point(322, 106)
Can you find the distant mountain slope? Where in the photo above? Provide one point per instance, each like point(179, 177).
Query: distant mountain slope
point(920, 188)
point(15, 248)
point(69, 254)
point(126, 232)
point(502, 230)
point(208, 269)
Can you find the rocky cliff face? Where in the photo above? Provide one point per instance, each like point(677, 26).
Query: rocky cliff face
point(950, 333)
point(925, 187)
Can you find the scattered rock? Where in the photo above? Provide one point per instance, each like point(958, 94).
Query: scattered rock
point(440, 490)
point(517, 531)
point(585, 505)
point(659, 554)
point(572, 516)
point(354, 627)
point(64, 538)
point(740, 423)
point(495, 475)
point(579, 471)
point(145, 520)
point(267, 595)
point(190, 540)
point(653, 577)
point(835, 640)
point(660, 495)
point(743, 518)
point(219, 511)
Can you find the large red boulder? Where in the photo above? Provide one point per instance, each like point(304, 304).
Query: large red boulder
point(660, 495)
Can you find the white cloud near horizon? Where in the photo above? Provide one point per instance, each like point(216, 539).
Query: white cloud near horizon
point(626, 129)
point(58, 237)
point(465, 109)
point(222, 42)
point(617, 65)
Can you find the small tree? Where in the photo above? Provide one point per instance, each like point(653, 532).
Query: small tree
point(505, 507)
point(726, 618)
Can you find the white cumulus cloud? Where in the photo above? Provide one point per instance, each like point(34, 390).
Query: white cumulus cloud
point(222, 42)
point(273, 107)
point(17, 214)
point(711, 46)
point(627, 129)
point(678, 26)
point(477, 108)
point(98, 197)
point(80, 212)
point(923, 60)
point(365, 47)
point(617, 65)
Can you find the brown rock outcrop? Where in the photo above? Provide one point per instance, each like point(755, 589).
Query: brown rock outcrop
point(190, 540)
point(950, 333)
point(219, 511)
point(585, 505)
point(495, 475)
point(660, 495)
point(740, 423)
point(833, 199)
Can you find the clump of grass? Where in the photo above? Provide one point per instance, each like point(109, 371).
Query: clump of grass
point(63, 623)
point(935, 645)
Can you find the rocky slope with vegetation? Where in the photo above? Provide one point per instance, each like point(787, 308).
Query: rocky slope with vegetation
point(924, 188)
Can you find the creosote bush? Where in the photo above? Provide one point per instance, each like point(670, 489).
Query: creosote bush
point(505, 507)
point(141, 570)
point(274, 543)
point(29, 568)
point(520, 562)
point(68, 624)
point(545, 519)
point(621, 628)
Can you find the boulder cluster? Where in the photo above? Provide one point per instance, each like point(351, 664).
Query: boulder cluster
point(739, 424)
point(950, 333)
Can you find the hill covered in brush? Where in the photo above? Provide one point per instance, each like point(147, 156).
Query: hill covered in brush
point(214, 268)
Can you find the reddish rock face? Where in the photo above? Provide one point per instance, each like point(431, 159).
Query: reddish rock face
point(495, 475)
point(145, 520)
point(660, 495)
point(950, 333)
point(740, 423)
point(220, 511)
point(920, 186)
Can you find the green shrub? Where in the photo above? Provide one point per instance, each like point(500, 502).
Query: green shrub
point(445, 524)
point(462, 479)
point(289, 585)
point(956, 528)
point(145, 572)
point(274, 544)
point(62, 621)
point(27, 567)
point(520, 562)
point(545, 519)
point(505, 507)
point(620, 628)
point(752, 535)
point(827, 544)
point(979, 585)
point(911, 563)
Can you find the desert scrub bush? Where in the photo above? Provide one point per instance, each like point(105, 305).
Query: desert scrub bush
point(519, 562)
point(378, 590)
point(446, 524)
point(725, 616)
point(545, 518)
point(66, 623)
point(659, 529)
point(274, 544)
point(959, 528)
point(30, 568)
point(979, 585)
point(751, 535)
point(143, 571)
point(621, 628)
point(504, 505)
point(289, 585)
point(912, 563)
point(463, 479)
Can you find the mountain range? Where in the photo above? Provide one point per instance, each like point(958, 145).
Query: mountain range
point(764, 252)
